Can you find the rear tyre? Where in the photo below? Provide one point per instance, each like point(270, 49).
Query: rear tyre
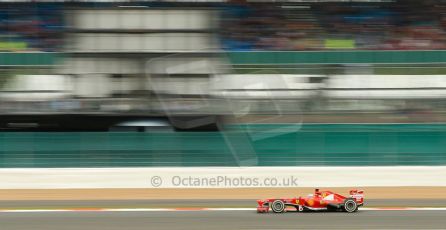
point(350, 205)
point(278, 206)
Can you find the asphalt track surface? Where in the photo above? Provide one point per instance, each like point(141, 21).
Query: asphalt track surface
point(365, 219)
point(223, 220)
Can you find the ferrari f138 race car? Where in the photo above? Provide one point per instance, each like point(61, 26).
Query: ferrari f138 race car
point(318, 201)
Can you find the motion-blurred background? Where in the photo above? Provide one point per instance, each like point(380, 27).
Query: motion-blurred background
point(222, 83)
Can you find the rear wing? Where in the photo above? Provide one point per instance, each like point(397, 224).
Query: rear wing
point(358, 195)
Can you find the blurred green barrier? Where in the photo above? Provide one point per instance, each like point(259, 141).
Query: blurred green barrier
point(336, 57)
point(273, 145)
point(28, 58)
point(271, 57)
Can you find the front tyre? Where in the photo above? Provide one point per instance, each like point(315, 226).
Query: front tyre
point(278, 206)
point(350, 205)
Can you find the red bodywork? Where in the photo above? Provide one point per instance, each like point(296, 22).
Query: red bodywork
point(319, 200)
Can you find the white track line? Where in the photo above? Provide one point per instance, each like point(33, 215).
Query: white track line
point(403, 209)
point(138, 210)
point(230, 209)
point(187, 209)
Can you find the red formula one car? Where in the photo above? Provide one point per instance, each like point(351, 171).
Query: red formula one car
point(319, 200)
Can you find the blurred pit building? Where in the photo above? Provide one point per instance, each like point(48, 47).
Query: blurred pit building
point(372, 68)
